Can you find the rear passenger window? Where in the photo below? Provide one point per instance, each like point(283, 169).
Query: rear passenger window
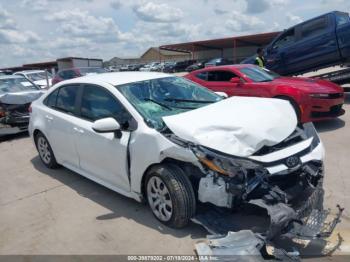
point(50, 101)
point(66, 98)
point(98, 103)
point(67, 74)
point(314, 28)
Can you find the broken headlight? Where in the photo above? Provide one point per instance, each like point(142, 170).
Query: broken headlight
point(310, 131)
point(225, 165)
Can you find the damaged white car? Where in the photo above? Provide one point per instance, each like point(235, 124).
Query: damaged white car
point(178, 145)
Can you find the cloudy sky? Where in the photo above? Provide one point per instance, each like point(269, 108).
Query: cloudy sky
point(42, 30)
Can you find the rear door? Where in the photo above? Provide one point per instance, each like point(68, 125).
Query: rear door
point(102, 155)
point(60, 120)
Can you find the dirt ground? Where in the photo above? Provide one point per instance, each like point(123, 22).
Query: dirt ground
point(46, 211)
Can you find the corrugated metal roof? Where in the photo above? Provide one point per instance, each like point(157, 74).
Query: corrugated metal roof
point(221, 43)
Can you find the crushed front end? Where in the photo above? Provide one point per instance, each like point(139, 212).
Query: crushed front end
point(285, 179)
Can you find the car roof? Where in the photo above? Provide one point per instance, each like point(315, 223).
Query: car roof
point(118, 78)
point(30, 71)
point(11, 77)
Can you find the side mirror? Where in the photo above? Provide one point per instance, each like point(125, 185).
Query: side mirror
point(235, 80)
point(107, 125)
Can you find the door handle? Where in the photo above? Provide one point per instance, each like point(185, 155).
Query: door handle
point(81, 131)
point(50, 118)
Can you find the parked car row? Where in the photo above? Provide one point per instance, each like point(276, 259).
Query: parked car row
point(173, 66)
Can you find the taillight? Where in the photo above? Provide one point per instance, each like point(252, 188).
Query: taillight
point(30, 109)
point(2, 111)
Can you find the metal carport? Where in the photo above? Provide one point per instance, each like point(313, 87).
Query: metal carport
point(236, 48)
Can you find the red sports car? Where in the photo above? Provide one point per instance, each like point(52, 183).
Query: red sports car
point(312, 99)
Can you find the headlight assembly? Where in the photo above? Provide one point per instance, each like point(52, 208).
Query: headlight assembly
point(225, 165)
point(310, 131)
point(319, 95)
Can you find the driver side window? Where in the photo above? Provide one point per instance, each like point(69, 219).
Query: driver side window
point(220, 76)
point(98, 103)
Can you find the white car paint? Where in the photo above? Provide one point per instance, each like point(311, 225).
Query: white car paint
point(239, 134)
point(41, 83)
point(102, 157)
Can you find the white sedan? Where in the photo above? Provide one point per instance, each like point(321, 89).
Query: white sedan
point(168, 140)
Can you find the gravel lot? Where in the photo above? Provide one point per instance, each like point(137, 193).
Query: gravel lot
point(46, 211)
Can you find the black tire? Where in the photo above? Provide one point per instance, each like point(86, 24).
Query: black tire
point(49, 162)
point(294, 104)
point(180, 190)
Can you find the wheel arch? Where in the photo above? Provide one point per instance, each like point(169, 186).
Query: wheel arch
point(293, 103)
point(185, 166)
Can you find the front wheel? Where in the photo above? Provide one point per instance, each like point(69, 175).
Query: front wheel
point(170, 195)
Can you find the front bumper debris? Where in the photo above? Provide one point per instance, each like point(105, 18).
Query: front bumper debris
point(229, 242)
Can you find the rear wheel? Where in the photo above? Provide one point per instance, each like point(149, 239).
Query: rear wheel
point(45, 151)
point(170, 195)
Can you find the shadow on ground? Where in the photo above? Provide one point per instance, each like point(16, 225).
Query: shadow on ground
point(347, 98)
point(8, 138)
point(120, 206)
point(329, 125)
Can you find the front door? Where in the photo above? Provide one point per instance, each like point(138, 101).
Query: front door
point(219, 81)
point(103, 155)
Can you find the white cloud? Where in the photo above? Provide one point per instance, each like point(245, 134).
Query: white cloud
point(80, 23)
point(260, 6)
point(239, 22)
point(15, 36)
point(35, 5)
point(220, 11)
point(293, 19)
point(9, 31)
point(154, 12)
point(117, 4)
point(6, 22)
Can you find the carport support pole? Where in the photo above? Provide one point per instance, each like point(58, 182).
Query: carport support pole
point(193, 52)
point(234, 51)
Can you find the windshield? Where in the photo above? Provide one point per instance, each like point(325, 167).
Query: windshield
point(157, 98)
point(38, 76)
point(92, 70)
point(14, 85)
point(258, 74)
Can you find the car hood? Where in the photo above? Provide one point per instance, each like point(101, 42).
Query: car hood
point(20, 98)
point(237, 126)
point(309, 84)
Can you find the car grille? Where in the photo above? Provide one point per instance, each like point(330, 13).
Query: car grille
point(335, 95)
point(293, 139)
point(333, 111)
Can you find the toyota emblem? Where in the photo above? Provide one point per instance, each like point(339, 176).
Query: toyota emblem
point(292, 161)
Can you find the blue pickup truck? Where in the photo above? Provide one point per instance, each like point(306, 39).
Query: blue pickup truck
point(317, 43)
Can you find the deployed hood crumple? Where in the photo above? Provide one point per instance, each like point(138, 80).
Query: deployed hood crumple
point(238, 126)
point(20, 98)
